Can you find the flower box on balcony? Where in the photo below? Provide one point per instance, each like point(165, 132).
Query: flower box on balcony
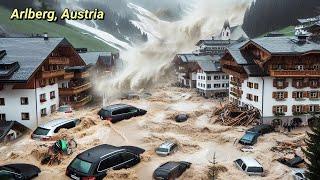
point(43, 115)
point(43, 100)
point(52, 97)
point(279, 114)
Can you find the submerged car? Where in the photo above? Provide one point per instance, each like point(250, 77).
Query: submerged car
point(250, 138)
point(171, 170)
point(95, 163)
point(298, 174)
point(250, 166)
point(18, 172)
point(65, 109)
point(167, 148)
point(46, 131)
point(261, 129)
point(119, 112)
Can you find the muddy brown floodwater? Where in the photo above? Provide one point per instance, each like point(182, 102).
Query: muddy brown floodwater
point(199, 139)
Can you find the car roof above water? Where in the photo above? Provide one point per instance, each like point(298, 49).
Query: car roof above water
point(55, 123)
point(250, 162)
point(169, 165)
point(95, 154)
point(116, 106)
point(167, 144)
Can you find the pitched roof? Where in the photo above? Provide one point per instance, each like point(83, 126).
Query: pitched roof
point(194, 58)
point(210, 66)
point(91, 58)
point(28, 52)
point(235, 52)
point(285, 45)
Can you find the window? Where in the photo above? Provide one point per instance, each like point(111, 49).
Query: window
point(2, 117)
point(300, 67)
point(256, 85)
point(52, 81)
point(216, 77)
point(52, 95)
point(53, 108)
point(249, 84)
point(25, 116)
point(42, 83)
point(43, 112)
point(209, 78)
point(297, 95)
point(279, 109)
point(24, 101)
point(250, 97)
point(316, 67)
point(216, 85)
point(127, 156)
point(256, 98)
point(223, 85)
point(314, 95)
point(299, 109)
point(209, 86)
point(43, 98)
point(2, 103)
point(312, 108)
point(109, 162)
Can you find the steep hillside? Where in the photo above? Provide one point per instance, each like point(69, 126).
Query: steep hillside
point(77, 37)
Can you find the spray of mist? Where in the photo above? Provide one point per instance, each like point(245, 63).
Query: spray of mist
point(149, 65)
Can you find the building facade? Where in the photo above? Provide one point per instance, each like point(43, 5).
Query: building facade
point(280, 76)
point(211, 81)
point(34, 78)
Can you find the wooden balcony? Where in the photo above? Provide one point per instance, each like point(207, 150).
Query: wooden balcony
point(52, 74)
point(68, 75)
point(81, 102)
point(294, 73)
point(59, 60)
point(234, 73)
point(82, 74)
point(74, 90)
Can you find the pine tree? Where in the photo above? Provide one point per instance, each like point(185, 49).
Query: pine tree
point(312, 152)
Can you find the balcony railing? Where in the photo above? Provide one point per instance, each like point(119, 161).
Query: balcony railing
point(74, 90)
point(82, 75)
point(68, 75)
point(52, 74)
point(82, 102)
point(59, 60)
point(294, 73)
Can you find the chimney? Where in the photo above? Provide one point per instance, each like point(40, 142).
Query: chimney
point(45, 36)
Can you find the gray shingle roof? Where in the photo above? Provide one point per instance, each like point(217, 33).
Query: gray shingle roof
point(235, 52)
point(194, 58)
point(285, 45)
point(28, 52)
point(210, 66)
point(215, 42)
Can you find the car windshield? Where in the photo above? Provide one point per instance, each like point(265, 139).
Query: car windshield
point(41, 131)
point(81, 166)
point(162, 149)
point(63, 109)
point(248, 137)
point(255, 169)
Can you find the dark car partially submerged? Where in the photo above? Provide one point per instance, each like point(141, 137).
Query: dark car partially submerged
point(250, 138)
point(119, 112)
point(171, 170)
point(261, 129)
point(95, 163)
point(18, 172)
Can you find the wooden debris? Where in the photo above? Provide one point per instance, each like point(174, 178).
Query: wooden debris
point(232, 115)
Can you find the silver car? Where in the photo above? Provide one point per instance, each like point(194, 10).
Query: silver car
point(250, 166)
point(167, 148)
point(45, 131)
point(299, 174)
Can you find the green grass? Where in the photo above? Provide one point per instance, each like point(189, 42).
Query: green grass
point(287, 31)
point(72, 34)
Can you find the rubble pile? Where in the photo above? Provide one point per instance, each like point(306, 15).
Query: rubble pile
point(231, 115)
point(288, 147)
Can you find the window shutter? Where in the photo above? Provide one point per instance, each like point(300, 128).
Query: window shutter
point(285, 108)
point(305, 94)
point(274, 95)
point(317, 108)
point(274, 83)
point(294, 108)
point(286, 84)
point(274, 109)
point(285, 94)
point(294, 94)
point(318, 94)
point(306, 108)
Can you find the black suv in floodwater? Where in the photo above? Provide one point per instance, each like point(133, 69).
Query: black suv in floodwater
point(18, 172)
point(171, 170)
point(262, 129)
point(94, 163)
point(119, 112)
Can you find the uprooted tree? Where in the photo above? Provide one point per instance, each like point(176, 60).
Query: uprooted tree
point(313, 152)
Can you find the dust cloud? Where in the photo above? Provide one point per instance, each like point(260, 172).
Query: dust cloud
point(149, 64)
